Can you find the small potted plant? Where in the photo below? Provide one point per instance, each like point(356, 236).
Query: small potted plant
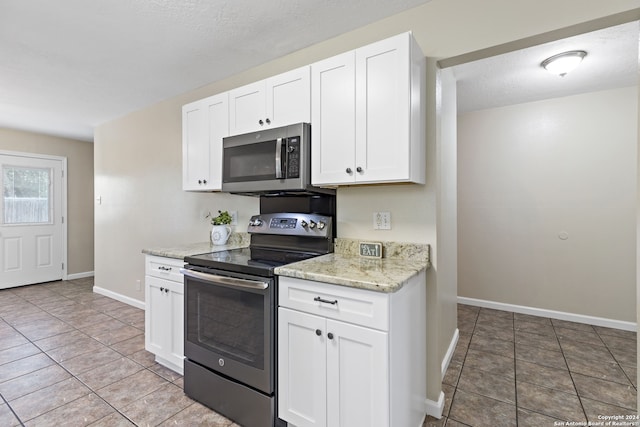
point(220, 230)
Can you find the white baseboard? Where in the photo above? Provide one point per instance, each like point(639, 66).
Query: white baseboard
point(434, 408)
point(450, 350)
point(560, 315)
point(80, 275)
point(119, 297)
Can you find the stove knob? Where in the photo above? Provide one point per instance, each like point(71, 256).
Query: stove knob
point(312, 224)
point(255, 222)
point(303, 223)
point(321, 225)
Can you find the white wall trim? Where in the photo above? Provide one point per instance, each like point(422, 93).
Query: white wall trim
point(119, 297)
point(80, 275)
point(450, 350)
point(434, 408)
point(560, 315)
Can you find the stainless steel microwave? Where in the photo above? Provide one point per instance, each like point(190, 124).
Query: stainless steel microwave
point(268, 161)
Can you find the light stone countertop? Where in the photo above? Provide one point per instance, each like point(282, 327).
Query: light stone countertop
point(401, 262)
point(236, 240)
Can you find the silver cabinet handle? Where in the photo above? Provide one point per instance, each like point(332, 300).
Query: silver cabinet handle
point(318, 299)
point(224, 280)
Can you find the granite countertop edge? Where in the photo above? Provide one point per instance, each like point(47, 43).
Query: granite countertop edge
point(385, 275)
point(342, 267)
point(236, 241)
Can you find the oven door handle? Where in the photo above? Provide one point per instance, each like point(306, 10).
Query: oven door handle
point(224, 280)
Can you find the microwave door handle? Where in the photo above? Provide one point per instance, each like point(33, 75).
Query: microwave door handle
point(279, 158)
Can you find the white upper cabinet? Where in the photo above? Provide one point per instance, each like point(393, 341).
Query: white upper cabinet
point(277, 101)
point(333, 119)
point(368, 115)
point(204, 124)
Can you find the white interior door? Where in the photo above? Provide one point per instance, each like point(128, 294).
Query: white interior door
point(31, 220)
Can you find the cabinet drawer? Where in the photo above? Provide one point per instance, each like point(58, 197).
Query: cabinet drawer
point(164, 268)
point(357, 306)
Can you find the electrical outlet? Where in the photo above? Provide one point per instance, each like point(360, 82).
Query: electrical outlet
point(234, 217)
point(382, 220)
point(138, 285)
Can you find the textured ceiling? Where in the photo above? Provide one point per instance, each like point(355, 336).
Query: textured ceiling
point(69, 65)
point(516, 77)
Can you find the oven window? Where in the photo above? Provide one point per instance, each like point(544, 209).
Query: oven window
point(231, 323)
point(251, 162)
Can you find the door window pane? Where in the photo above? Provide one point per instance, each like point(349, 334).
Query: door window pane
point(26, 194)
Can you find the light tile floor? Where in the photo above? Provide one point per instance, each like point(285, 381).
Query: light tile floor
point(511, 369)
point(71, 357)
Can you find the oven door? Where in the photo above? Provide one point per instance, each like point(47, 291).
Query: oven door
point(230, 326)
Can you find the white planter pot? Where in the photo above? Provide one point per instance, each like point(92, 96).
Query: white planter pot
point(220, 234)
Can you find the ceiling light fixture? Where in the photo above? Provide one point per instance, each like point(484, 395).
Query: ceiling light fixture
point(562, 63)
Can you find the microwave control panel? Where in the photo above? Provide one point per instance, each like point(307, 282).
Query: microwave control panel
point(293, 157)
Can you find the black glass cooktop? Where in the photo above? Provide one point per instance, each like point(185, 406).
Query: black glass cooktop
point(256, 261)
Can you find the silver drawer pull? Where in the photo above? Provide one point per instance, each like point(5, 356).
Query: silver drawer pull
point(318, 299)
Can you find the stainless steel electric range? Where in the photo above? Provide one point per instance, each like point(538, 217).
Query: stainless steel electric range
point(231, 308)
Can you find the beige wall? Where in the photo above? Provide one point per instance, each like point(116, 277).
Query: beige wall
point(532, 171)
point(79, 156)
point(137, 168)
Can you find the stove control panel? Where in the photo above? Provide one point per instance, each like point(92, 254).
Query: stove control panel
point(291, 224)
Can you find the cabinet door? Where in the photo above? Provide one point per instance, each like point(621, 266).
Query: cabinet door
point(247, 108)
point(217, 111)
point(176, 346)
point(195, 146)
point(333, 114)
point(205, 123)
point(301, 368)
point(288, 98)
point(156, 316)
point(357, 376)
point(383, 90)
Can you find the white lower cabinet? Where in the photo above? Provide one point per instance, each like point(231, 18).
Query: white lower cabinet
point(350, 357)
point(333, 373)
point(164, 312)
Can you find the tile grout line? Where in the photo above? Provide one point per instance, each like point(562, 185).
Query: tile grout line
point(455, 391)
point(617, 361)
point(56, 363)
point(92, 391)
point(12, 411)
point(564, 357)
point(95, 392)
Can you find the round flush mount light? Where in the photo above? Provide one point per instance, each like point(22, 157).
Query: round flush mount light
point(562, 63)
